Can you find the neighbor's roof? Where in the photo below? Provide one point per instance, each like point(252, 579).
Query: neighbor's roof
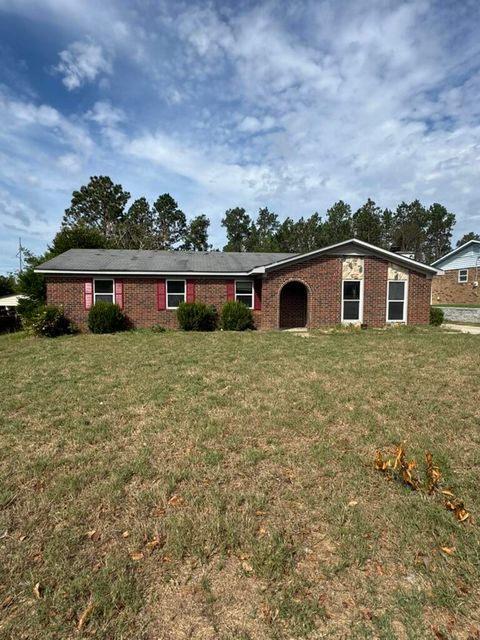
point(133, 262)
point(455, 251)
point(10, 301)
point(141, 261)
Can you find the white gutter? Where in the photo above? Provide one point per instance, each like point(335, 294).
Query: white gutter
point(81, 272)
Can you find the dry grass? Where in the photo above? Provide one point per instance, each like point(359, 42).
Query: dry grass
point(221, 485)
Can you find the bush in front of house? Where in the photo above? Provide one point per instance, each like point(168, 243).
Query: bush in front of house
point(236, 316)
point(50, 321)
point(436, 316)
point(196, 316)
point(105, 317)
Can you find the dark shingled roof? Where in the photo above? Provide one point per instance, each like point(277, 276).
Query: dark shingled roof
point(126, 260)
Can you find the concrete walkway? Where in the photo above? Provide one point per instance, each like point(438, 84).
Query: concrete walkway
point(463, 328)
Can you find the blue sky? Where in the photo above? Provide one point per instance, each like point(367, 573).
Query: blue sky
point(289, 105)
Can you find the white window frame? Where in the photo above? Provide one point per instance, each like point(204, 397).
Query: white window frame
point(360, 302)
point(460, 271)
point(246, 294)
point(184, 291)
point(405, 301)
point(112, 280)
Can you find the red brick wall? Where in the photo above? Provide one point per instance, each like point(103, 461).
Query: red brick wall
point(375, 291)
point(140, 299)
point(322, 277)
point(447, 290)
point(419, 293)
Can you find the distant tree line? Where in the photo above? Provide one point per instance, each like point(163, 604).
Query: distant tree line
point(100, 216)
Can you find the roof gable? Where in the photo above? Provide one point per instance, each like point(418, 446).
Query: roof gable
point(352, 247)
point(449, 260)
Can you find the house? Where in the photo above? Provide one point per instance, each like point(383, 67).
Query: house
point(457, 281)
point(349, 282)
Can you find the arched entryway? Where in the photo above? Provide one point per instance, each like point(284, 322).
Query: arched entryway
point(293, 305)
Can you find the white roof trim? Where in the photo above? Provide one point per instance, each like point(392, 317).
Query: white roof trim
point(393, 257)
point(82, 272)
point(454, 251)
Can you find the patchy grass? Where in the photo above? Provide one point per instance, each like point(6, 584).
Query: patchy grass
point(182, 485)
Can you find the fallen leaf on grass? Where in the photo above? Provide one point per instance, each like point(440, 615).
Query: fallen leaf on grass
point(3, 533)
point(93, 535)
point(84, 616)
point(175, 501)
point(125, 534)
point(450, 551)
point(36, 591)
point(447, 492)
point(433, 473)
point(136, 555)
point(22, 538)
point(153, 543)
point(380, 463)
point(458, 509)
point(352, 503)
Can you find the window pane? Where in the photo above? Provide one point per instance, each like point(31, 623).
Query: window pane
point(176, 286)
point(244, 286)
point(103, 286)
point(351, 310)
point(395, 310)
point(104, 297)
point(463, 276)
point(174, 299)
point(396, 290)
point(351, 290)
point(245, 299)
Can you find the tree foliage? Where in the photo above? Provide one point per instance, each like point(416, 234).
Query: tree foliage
point(196, 235)
point(238, 226)
point(7, 285)
point(471, 235)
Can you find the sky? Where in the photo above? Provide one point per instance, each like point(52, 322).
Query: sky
point(291, 105)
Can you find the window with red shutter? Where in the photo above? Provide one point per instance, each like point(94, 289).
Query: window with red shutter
point(88, 294)
point(257, 297)
point(190, 291)
point(161, 295)
point(119, 293)
point(231, 290)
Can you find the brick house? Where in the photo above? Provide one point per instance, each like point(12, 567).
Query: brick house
point(349, 282)
point(458, 277)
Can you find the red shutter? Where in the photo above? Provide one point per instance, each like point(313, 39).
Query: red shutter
point(119, 293)
point(161, 297)
point(190, 290)
point(257, 295)
point(230, 289)
point(88, 294)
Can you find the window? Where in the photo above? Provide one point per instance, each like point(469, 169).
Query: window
point(352, 301)
point(103, 291)
point(463, 275)
point(175, 293)
point(244, 292)
point(396, 306)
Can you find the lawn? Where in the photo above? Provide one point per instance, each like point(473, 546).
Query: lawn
point(173, 486)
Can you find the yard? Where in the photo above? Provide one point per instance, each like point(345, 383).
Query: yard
point(173, 486)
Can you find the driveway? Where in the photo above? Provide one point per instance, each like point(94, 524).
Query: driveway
point(463, 328)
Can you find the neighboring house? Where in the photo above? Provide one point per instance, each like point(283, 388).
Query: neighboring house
point(9, 303)
point(457, 282)
point(351, 282)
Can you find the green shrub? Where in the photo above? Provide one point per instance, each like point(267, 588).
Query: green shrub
point(105, 317)
point(236, 317)
point(158, 328)
point(436, 316)
point(50, 321)
point(196, 316)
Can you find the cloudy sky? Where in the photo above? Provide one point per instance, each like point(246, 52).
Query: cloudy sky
point(292, 105)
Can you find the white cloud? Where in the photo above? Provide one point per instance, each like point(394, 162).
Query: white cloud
point(82, 62)
point(104, 114)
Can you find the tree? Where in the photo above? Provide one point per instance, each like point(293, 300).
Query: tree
point(137, 231)
point(99, 205)
point(287, 236)
point(169, 222)
point(7, 285)
point(77, 237)
point(438, 232)
point(338, 225)
point(196, 236)
point(367, 223)
point(471, 235)
point(388, 229)
point(263, 231)
point(239, 229)
point(410, 222)
point(32, 285)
